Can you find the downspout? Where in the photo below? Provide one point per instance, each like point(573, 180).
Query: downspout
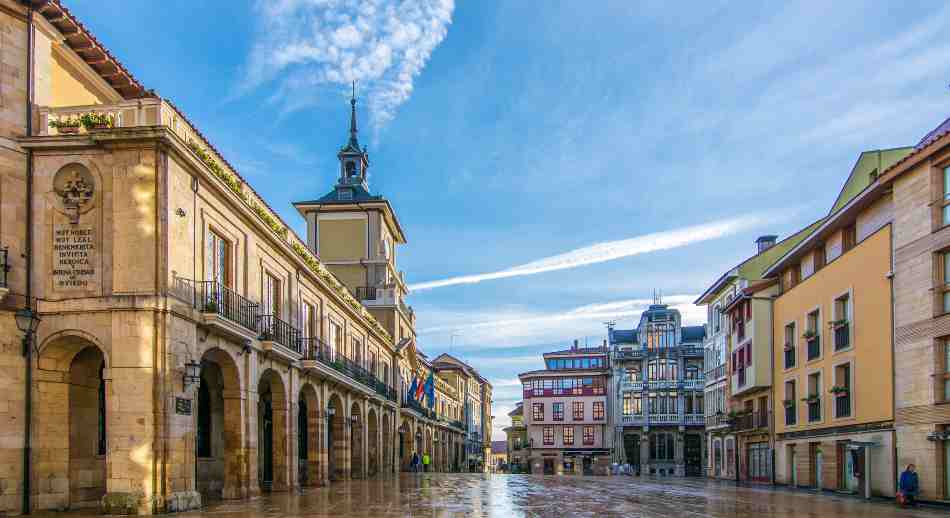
point(28, 249)
point(774, 389)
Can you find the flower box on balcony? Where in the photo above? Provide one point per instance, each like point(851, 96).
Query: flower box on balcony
point(68, 125)
point(810, 399)
point(835, 324)
point(808, 335)
point(839, 391)
point(97, 121)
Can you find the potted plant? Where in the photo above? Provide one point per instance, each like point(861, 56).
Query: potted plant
point(211, 307)
point(841, 322)
point(67, 125)
point(839, 391)
point(809, 334)
point(810, 399)
point(788, 403)
point(94, 121)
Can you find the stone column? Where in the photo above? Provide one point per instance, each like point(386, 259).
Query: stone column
point(324, 435)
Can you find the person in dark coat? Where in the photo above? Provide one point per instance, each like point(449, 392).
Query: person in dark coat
point(414, 463)
point(909, 484)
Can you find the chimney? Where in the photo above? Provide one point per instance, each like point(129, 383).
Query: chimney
point(763, 243)
point(575, 344)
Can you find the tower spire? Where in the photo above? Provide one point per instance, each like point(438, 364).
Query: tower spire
point(353, 140)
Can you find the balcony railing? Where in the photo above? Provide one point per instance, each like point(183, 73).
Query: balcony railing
point(789, 357)
point(316, 349)
point(842, 336)
point(630, 354)
point(743, 422)
point(215, 297)
point(814, 410)
point(694, 383)
point(577, 391)
point(365, 292)
point(715, 420)
point(716, 373)
point(814, 347)
point(843, 405)
point(762, 419)
point(417, 406)
point(791, 414)
point(741, 377)
point(276, 330)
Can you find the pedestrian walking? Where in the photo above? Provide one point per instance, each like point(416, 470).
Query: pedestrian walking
point(414, 463)
point(425, 462)
point(908, 486)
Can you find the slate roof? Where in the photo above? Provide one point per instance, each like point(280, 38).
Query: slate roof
point(934, 134)
point(580, 350)
point(693, 333)
point(360, 194)
point(624, 336)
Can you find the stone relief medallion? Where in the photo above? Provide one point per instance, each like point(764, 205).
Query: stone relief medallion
point(74, 188)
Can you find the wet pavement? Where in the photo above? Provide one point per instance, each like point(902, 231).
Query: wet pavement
point(457, 495)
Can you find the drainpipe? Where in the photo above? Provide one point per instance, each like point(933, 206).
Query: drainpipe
point(28, 253)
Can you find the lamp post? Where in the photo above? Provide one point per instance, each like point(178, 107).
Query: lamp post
point(27, 321)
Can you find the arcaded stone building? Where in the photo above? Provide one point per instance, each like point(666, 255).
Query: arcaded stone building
point(191, 346)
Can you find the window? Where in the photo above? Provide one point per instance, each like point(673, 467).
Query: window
point(217, 259)
point(812, 335)
point(306, 321)
point(842, 321)
point(814, 397)
point(945, 202)
point(548, 432)
point(336, 339)
point(627, 403)
point(661, 447)
point(942, 282)
point(790, 341)
point(357, 351)
point(842, 390)
point(568, 434)
point(588, 435)
point(537, 411)
point(715, 317)
point(849, 238)
point(944, 379)
point(790, 403)
point(271, 296)
point(557, 410)
point(598, 410)
point(578, 410)
point(633, 374)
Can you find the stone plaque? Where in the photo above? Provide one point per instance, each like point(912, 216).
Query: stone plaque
point(75, 258)
point(182, 406)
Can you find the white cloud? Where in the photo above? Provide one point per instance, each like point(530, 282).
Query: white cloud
point(312, 46)
point(610, 250)
point(515, 326)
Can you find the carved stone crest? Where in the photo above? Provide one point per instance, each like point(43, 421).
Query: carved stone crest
point(74, 188)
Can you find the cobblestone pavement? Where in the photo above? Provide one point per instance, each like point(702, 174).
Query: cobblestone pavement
point(456, 495)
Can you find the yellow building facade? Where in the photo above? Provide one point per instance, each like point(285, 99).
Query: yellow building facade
point(833, 354)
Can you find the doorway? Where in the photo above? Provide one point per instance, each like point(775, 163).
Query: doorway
point(548, 466)
point(631, 445)
point(265, 434)
point(693, 455)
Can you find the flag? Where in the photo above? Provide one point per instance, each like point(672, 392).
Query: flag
point(430, 390)
point(412, 389)
point(420, 391)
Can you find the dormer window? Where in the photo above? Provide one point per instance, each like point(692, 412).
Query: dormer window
point(345, 194)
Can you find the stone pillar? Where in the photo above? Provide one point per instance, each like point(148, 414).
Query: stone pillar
point(364, 431)
point(346, 467)
point(131, 460)
point(236, 476)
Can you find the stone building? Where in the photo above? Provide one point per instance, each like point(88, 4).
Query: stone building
point(191, 345)
point(658, 407)
point(475, 396)
point(566, 406)
point(516, 436)
point(832, 342)
point(921, 277)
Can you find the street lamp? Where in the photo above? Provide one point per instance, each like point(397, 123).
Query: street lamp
point(192, 374)
point(27, 321)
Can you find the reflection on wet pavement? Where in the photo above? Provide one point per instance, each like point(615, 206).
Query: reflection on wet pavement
point(451, 495)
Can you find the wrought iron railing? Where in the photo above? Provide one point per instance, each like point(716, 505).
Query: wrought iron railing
point(814, 347)
point(215, 297)
point(276, 330)
point(843, 405)
point(789, 357)
point(318, 350)
point(417, 406)
point(365, 292)
point(814, 410)
point(791, 414)
point(842, 336)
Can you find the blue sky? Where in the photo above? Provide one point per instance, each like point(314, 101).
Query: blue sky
point(512, 137)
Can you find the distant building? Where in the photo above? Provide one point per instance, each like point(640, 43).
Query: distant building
point(476, 394)
point(517, 440)
point(658, 401)
point(566, 412)
point(499, 455)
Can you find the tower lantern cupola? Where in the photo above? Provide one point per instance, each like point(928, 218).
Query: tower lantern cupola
point(353, 159)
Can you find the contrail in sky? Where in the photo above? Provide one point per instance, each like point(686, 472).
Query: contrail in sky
point(610, 250)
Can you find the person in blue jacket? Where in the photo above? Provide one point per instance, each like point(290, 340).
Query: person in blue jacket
point(909, 485)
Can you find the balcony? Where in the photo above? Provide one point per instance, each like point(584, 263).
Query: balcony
point(751, 421)
point(224, 310)
point(842, 336)
point(843, 404)
point(691, 352)
point(814, 347)
point(577, 391)
point(694, 384)
point(416, 406)
point(694, 419)
point(789, 357)
point(316, 350)
point(716, 373)
point(630, 354)
point(814, 410)
point(636, 385)
point(279, 337)
point(791, 414)
point(718, 420)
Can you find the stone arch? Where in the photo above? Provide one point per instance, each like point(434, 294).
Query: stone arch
point(372, 443)
point(357, 424)
point(338, 455)
point(387, 450)
point(309, 433)
point(406, 434)
point(272, 451)
point(73, 408)
point(219, 434)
